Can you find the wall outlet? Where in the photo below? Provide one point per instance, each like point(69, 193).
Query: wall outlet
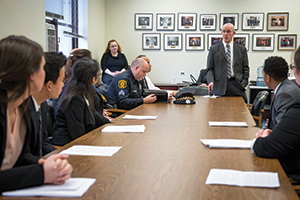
point(182, 73)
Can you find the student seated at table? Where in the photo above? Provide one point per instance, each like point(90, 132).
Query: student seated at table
point(283, 142)
point(125, 90)
point(75, 55)
point(54, 74)
point(21, 75)
point(275, 75)
point(79, 110)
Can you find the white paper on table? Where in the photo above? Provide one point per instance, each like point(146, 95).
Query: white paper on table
point(212, 96)
point(240, 124)
point(86, 150)
point(139, 117)
point(126, 129)
point(73, 187)
point(241, 178)
point(227, 143)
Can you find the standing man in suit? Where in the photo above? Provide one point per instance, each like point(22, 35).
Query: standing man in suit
point(227, 66)
point(54, 75)
point(286, 92)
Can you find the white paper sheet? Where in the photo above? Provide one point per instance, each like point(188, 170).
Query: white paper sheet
point(139, 117)
point(227, 143)
point(74, 187)
point(86, 150)
point(244, 179)
point(212, 96)
point(124, 129)
point(239, 124)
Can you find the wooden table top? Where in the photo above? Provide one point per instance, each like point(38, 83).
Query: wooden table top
point(168, 161)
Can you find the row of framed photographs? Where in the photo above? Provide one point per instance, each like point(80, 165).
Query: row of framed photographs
point(188, 21)
point(195, 42)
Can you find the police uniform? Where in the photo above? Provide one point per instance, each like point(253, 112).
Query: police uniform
point(125, 91)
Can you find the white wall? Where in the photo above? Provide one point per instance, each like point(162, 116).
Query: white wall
point(96, 28)
point(119, 25)
point(26, 18)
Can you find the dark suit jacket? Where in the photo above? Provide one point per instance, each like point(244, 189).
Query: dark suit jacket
point(217, 67)
point(283, 142)
point(35, 138)
point(77, 120)
point(287, 93)
point(26, 172)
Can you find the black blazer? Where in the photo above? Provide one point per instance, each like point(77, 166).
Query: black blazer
point(35, 139)
point(77, 120)
point(217, 67)
point(26, 172)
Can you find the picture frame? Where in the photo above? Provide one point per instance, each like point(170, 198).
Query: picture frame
point(242, 39)
point(151, 41)
point(208, 22)
point(263, 42)
point(172, 41)
point(278, 21)
point(165, 21)
point(194, 42)
point(187, 21)
point(213, 39)
point(143, 21)
point(287, 42)
point(253, 21)
point(232, 18)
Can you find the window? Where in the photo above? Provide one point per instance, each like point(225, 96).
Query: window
point(69, 18)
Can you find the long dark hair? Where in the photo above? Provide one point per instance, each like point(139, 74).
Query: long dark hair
point(19, 58)
point(74, 56)
point(80, 84)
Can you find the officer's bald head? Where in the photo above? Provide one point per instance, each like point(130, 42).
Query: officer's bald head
point(139, 68)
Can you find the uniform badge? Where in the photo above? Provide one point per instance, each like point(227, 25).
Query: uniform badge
point(121, 92)
point(122, 84)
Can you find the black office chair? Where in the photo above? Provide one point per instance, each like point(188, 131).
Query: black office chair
point(200, 90)
point(256, 109)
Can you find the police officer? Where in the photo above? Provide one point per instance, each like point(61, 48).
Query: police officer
point(126, 91)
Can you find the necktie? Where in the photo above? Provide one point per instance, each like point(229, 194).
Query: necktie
point(145, 83)
point(228, 56)
point(39, 115)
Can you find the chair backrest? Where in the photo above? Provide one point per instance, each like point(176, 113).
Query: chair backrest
point(259, 102)
point(200, 90)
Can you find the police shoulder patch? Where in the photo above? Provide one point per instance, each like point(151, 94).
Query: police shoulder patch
point(122, 84)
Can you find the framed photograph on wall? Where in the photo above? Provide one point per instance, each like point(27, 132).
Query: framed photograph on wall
point(213, 39)
point(232, 18)
point(287, 42)
point(278, 21)
point(143, 21)
point(208, 22)
point(253, 21)
point(151, 41)
point(263, 42)
point(172, 41)
point(242, 39)
point(194, 42)
point(187, 21)
point(165, 22)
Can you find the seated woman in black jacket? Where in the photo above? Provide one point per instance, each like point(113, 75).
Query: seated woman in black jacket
point(283, 142)
point(22, 74)
point(79, 109)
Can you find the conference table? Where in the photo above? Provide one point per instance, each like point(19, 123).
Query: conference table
point(169, 162)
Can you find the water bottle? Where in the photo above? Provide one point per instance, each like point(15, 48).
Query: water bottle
point(260, 80)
